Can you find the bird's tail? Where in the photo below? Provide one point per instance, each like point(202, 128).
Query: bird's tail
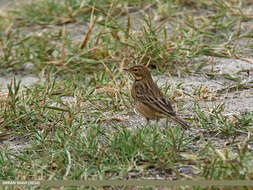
point(180, 122)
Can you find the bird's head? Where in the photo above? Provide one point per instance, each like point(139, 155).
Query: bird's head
point(139, 72)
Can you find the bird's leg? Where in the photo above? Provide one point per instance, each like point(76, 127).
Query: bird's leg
point(148, 122)
point(157, 120)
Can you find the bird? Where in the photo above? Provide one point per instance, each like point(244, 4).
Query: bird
point(148, 99)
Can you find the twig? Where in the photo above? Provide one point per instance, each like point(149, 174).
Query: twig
point(162, 23)
point(244, 59)
point(63, 54)
point(92, 24)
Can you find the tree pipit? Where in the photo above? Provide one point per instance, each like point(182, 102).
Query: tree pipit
point(148, 99)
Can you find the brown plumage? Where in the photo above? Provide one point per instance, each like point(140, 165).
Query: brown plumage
point(148, 99)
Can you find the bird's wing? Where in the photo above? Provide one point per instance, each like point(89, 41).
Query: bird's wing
point(146, 95)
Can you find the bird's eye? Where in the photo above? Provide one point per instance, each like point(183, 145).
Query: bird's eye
point(135, 70)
